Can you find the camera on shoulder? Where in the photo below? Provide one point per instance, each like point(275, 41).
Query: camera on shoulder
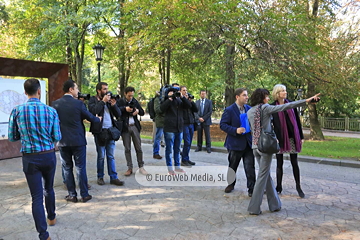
point(164, 92)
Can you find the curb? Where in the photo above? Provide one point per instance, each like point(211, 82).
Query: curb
point(301, 158)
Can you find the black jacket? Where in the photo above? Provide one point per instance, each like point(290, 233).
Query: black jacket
point(174, 114)
point(278, 127)
point(189, 117)
point(96, 107)
point(122, 103)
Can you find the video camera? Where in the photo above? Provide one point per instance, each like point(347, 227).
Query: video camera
point(84, 96)
point(190, 95)
point(164, 92)
point(113, 96)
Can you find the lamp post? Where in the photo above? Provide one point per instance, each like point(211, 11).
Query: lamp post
point(99, 50)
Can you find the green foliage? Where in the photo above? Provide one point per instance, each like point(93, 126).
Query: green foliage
point(274, 42)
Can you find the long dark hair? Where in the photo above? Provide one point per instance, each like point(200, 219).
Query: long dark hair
point(258, 96)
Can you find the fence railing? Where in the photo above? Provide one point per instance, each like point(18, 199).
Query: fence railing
point(344, 124)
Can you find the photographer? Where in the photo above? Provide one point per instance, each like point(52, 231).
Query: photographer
point(130, 109)
point(103, 105)
point(188, 129)
point(173, 106)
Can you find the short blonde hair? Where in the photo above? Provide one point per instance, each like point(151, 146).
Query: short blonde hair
point(277, 88)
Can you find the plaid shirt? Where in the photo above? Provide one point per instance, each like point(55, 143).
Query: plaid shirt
point(36, 125)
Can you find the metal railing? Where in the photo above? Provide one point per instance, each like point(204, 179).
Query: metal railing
point(344, 124)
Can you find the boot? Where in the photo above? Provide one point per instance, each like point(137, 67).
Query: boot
point(279, 172)
point(300, 192)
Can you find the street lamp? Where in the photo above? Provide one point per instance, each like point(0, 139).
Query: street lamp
point(300, 93)
point(99, 50)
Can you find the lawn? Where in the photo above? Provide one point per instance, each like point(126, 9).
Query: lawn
point(332, 147)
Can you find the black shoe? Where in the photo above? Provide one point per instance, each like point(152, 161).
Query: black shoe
point(300, 192)
point(279, 189)
point(250, 192)
point(191, 162)
point(251, 213)
point(100, 181)
point(197, 149)
point(229, 188)
point(185, 164)
point(208, 150)
point(277, 210)
point(117, 182)
point(87, 198)
point(71, 199)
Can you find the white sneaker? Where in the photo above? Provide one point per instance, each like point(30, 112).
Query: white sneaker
point(143, 171)
point(179, 170)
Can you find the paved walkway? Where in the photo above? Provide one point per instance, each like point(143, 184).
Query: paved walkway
point(330, 209)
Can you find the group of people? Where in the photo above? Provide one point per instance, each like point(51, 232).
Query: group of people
point(39, 127)
point(177, 118)
point(280, 116)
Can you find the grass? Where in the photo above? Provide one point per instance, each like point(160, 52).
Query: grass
point(332, 147)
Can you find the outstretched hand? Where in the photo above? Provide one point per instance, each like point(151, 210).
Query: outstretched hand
point(315, 97)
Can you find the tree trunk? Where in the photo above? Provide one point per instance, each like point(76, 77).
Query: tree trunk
point(315, 128)
point(230, 74)
point(122, 72)
point(168, 57)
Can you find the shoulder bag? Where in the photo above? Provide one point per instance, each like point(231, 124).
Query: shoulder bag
point(268, 142)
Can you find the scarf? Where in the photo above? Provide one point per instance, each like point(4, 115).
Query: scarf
point(284, 130)
point(257, 127)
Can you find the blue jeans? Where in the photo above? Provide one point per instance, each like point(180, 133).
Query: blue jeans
point(172, 141)
point(108, 149)
point(188, 133)
point(36, 168)
point(157, 140)
point(66, 155)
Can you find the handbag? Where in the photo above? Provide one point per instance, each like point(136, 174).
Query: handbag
point(268, 142)
point(118, 123)
point(114, 133)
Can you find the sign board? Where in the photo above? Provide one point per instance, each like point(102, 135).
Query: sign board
point(12, 94)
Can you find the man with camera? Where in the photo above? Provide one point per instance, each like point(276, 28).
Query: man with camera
point(188, 129)
point(130, 109)
point(104, 105)
point(173, 106)
point(73, 141)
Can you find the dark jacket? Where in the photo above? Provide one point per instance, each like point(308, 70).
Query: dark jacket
point(96, 107)
point(71, 113)
point(189, 117)
point(278, 127)
point(207, 112)
point(159, 115)
point(230, 121)
point(122, 103)
point(174, 119)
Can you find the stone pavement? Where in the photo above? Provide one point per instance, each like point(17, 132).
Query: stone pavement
point(330, 209)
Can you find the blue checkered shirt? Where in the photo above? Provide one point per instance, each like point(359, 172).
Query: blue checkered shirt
point(36, 125)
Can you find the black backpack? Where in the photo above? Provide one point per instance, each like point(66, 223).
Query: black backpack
point(151, 109)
